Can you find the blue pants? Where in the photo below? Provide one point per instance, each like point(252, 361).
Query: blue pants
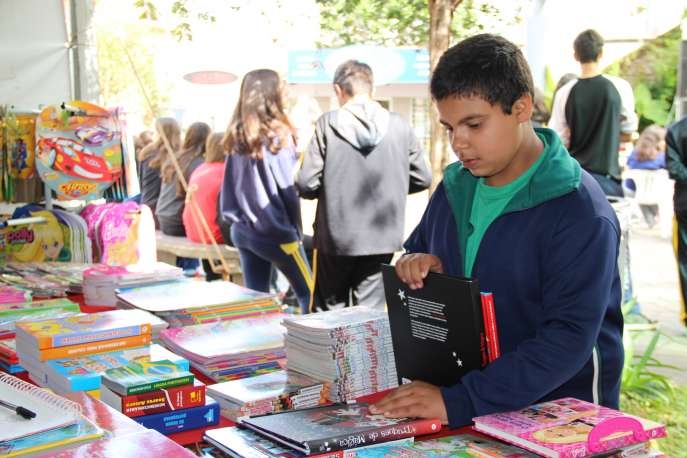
point(257, 259)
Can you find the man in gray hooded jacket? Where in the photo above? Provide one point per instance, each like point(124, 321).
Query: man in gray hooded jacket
point(361, 164)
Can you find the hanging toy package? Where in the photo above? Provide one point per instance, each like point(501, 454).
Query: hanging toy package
point(78, 150)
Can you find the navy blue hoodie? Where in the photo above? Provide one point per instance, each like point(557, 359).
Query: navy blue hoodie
point(258, 196)
point(550, 260)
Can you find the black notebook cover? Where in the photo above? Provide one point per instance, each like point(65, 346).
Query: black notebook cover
point(437, 331)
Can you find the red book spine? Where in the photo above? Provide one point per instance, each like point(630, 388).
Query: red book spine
point(183, 397)
point(489, 317)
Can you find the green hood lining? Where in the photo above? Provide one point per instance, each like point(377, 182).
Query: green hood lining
point(557, 174)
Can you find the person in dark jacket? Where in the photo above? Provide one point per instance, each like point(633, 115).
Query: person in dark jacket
point(518, 213)
point(361, 164)
point(258, 195)
point(676, 159)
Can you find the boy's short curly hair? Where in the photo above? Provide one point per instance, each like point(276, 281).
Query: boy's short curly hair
point(588, 46)
point(486, 66)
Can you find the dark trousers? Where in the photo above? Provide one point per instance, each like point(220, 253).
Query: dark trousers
point(257, 259)
point(343, 281)
point(610, 185)
point(680, 245)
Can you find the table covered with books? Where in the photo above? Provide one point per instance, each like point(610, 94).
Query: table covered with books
point(191, 359)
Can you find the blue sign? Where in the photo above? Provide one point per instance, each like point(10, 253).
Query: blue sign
point(389, 65)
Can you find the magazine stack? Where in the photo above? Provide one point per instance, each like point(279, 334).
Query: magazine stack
point(231, 349)
point(190, 302)
point(268, 393)
point(350, 348)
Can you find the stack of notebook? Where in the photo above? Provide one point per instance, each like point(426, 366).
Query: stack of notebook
point(231, 349)
point(189, 302)
point(56, 422)
point(101, 281)
point(350, 348)
point(268, 393)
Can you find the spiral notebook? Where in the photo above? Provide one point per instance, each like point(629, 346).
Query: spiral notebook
point(52, 411)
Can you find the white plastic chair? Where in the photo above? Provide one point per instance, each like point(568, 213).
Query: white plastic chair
point(653, 187)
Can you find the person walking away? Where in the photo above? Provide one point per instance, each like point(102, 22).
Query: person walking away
point(594, 113)
point(258, 196)
point(360, 165)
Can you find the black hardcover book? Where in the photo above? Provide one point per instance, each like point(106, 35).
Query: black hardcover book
point(437, 331)
point(337, 427)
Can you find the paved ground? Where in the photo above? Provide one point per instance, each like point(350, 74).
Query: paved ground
point(654, 274)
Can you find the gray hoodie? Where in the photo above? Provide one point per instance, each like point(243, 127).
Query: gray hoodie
point(361, 164)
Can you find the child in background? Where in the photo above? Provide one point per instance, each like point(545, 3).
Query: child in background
point(258, 195)
point(151, 158)
point(170, 204)
point(204, 186)
point(519, 214)
point(648, 154)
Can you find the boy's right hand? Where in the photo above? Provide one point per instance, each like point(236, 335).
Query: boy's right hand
point(413, 268)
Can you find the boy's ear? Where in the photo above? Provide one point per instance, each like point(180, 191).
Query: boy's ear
point(523, 107)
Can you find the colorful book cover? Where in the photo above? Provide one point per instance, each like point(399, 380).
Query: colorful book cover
point(91, 348)
point(337, 427)
point(85, 328)
point(243, 442)
point(84, 372)
point(223, 338)
point(141, 376)
point(458, 446)
point(32, 308)
point(183, 294)
point(165, 400)
point(182, 420)
point(569, 428)
point(273, 386)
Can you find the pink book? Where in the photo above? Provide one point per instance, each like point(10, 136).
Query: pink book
point(569, 428)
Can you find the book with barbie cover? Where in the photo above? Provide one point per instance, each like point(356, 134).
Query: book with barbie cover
point(569, 428)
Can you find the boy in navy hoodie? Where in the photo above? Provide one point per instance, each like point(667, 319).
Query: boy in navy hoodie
point(518, 213)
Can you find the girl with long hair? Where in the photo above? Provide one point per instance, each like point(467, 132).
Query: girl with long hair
point(151, 158)
point(258, 194)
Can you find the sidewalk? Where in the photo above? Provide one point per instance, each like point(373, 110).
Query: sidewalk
point(655, 281)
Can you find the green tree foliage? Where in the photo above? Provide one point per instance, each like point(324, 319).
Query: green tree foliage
point(652, 72)
point(396, 22)
point(117, 75)
point(182, 29)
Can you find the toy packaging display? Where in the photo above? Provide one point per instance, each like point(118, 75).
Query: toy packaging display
point(78, 149)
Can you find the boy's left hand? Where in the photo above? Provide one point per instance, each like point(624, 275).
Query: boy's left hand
point(416, 399)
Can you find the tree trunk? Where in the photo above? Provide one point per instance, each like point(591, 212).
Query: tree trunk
point(440, 16)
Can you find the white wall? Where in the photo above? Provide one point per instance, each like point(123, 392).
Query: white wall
point(34, 61)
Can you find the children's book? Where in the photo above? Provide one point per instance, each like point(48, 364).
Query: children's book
point(182, 420)
point(84, 328)
point(266, 387)
point(26, 351)
point(437, 330)
point(457, 446)
point(164, 400)
point(141, 377)
point(182, 294)
point(569, 428)
point(83, 373)
point(241, 442)
point(337, 427)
